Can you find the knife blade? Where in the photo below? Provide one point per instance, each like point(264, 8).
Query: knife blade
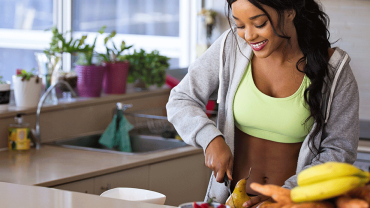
point(226, 182)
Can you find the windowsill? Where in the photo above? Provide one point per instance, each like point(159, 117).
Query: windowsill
point(83, 101)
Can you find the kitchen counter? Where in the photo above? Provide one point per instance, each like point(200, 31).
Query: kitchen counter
point(15, 196)
point(52, 165)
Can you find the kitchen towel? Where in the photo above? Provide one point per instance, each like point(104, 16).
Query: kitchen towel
point(116, 135)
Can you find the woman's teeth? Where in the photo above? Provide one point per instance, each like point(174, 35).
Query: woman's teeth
point(259, 44)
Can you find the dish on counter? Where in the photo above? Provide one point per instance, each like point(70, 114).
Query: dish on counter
point(135, 194)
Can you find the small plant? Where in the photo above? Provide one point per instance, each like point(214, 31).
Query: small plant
point(148, 67)
point(59, 44)
point(27, 75)
point(85, 56)
point(2, 81)
point(112, 54)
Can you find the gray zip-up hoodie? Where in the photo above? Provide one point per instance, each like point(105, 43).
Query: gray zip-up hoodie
point(217, 74)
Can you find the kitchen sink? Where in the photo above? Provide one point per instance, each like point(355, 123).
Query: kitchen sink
point(140, 144)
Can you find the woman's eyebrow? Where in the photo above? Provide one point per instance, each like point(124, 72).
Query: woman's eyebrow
point(255, 17)
point(251, 18)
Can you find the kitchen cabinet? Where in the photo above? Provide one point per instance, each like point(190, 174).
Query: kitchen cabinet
point(83, 186)
point(181, 180)
point(132, 178)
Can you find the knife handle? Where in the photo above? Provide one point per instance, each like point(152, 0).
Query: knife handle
point(226, 180)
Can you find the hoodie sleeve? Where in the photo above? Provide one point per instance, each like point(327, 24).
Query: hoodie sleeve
point(187, 102)
point(341, 132)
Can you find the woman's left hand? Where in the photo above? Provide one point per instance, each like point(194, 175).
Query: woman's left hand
point(255, 201)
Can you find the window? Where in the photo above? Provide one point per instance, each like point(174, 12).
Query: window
point(136, 17)
point(164, 25)
point(22, 25)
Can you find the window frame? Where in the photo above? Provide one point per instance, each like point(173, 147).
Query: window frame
point(182, 47)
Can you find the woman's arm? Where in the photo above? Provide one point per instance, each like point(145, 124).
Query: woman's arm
point(341, 133)
point(187, 102)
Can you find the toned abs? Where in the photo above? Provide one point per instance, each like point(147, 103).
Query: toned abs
point(271, 162)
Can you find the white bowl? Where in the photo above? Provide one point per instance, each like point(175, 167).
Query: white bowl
point(134, 194)
point(190, 205)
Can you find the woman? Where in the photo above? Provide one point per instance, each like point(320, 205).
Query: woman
point(287, 100)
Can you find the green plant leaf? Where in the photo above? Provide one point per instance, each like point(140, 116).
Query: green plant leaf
point(113, 33)
point(102, 29)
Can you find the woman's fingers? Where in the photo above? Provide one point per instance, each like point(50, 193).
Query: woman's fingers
point(255, 200)
point(229, 169)
point(220, 175)
point(219, 158)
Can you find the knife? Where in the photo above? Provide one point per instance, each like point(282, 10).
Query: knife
point(226, 182)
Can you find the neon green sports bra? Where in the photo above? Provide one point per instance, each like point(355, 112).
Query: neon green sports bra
point(276, 119)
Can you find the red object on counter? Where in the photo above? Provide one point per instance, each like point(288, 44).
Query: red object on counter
point(195, 205)
point(204, 205)
point(172, 82)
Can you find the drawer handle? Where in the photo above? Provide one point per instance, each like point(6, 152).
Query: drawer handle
point(106, 188)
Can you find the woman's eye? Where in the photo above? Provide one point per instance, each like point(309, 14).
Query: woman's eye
point(261, 26)
point(240, 27)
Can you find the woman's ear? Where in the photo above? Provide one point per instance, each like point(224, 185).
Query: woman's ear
point(290, 14)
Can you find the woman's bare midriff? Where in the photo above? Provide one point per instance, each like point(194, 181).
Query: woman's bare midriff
point(271, 162)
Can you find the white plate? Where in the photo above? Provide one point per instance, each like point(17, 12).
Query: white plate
point(134, 194)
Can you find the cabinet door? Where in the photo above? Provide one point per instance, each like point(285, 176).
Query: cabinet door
point(133, 178)
point(181, 180)
point(83, 186)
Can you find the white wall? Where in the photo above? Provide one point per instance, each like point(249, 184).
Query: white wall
point(349, 21)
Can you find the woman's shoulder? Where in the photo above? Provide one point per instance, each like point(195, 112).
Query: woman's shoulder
point(339, 67)
point(330, 52)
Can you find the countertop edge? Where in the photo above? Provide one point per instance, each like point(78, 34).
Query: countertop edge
point(167, 156)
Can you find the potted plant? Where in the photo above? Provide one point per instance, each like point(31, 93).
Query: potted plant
point(4, 94)
point(59, 45)
point(146, 69)
point(27, 88)
point(115, 76)
point(89, 75)
point(49, 62)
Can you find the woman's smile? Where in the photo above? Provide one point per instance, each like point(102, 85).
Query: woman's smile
point(257, 46)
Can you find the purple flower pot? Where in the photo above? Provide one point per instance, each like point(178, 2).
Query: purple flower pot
point(89, 80)
point(115, 78)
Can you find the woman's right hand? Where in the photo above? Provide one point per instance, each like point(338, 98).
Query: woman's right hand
point(219, 158)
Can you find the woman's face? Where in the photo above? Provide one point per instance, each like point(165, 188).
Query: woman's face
point(255, 28)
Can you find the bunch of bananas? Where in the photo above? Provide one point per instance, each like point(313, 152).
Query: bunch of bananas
point(327, 180)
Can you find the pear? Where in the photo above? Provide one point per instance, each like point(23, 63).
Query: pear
point(239, 195)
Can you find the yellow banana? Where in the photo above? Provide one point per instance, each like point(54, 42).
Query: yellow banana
point(326, 189)
point(328, 170)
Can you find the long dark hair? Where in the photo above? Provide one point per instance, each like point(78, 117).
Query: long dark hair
point(313, 35)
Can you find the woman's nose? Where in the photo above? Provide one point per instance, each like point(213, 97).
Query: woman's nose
point(250, 35)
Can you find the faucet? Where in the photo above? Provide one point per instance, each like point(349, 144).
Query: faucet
point(41, 102)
